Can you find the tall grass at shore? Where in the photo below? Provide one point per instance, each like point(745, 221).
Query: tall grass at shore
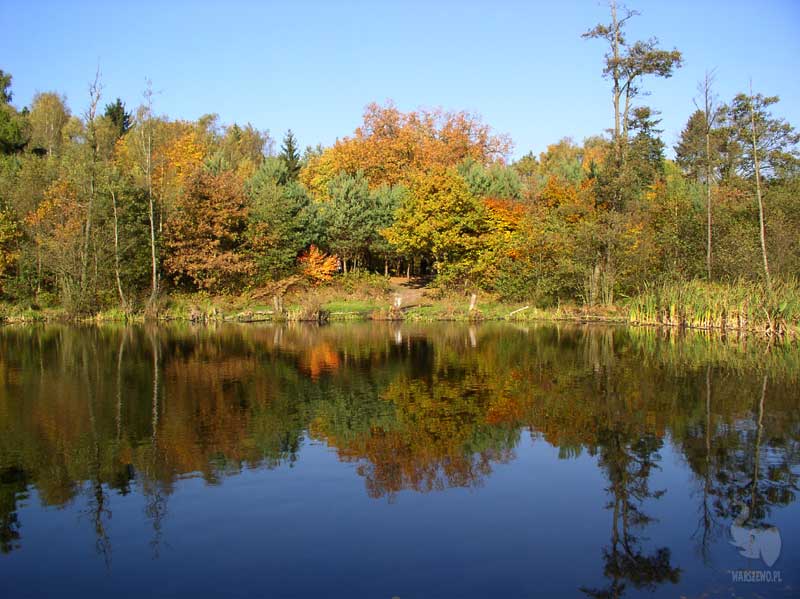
point(739, 306)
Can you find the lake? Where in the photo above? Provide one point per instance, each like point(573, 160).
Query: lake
point(396, 460)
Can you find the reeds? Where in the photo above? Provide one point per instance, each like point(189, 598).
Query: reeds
point(738, 306)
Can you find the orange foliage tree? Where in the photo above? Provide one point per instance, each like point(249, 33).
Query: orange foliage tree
point(57, 226)
point(390, 147)
point(317, 265)
point(205, 233)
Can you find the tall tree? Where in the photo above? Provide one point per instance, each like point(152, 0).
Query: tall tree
point(243, 148)
point(626, 64)
point(439, 219)
point(119, 117)
point(48, 116)
point(5, 87)
point(707, 152)
point(280, 220)
point(92, 175)
point(145, 138)
point(9, 240)
point(13, 134)
point(206, 232)
point(393, 147)
point(349, 217)
point(290, 156)
point(710, 115)
point(646, 150)
point(769, 147)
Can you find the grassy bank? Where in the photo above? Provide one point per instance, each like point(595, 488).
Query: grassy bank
point(732, 308)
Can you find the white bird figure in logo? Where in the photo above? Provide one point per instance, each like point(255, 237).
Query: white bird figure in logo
point(755, 541)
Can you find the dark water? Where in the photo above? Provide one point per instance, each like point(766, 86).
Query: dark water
point(396, 461)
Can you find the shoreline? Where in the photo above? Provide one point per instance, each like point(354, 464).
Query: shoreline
point(377, 311)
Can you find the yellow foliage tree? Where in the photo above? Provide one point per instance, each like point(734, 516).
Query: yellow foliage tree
point(9, 238)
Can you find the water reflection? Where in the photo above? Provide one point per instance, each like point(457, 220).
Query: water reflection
point(95, 413)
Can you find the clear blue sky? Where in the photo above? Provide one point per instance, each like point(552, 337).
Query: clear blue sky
point(313, 66)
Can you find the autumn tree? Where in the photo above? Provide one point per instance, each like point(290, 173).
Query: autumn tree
point(317, 266)
point(58, 227)
point(391, 147)
point(439, 220)
point(67, 223)
point(23, 182)
point(205, 233)
point(242, 149)
point(93, 175)
point(9, 239)
point(563, 160)
point(48, 116)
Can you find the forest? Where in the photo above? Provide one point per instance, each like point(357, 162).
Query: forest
point(109, 207)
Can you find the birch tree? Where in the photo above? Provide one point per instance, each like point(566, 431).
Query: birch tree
point(769, 148)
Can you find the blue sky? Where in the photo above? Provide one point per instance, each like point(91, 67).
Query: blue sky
point(312, 66)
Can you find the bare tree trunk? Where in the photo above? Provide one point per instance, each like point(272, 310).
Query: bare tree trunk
point(757, 449)
point(38, 271)
point(147, 146)
point(625, 113)
point(154, 344)
point(153, 259)
point(710, 115)
point(757, 165)
point(94, 99)
point(707, 522)
point(615, 77)
point(119, 384)
point(708, 200)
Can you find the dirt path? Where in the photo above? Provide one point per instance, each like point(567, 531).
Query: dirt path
point(411, 292)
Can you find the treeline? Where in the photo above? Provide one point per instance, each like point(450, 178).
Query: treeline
point(112, 207)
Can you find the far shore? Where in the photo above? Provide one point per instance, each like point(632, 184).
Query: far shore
point(203, 309)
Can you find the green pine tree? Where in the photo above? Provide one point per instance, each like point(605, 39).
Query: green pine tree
point(290, 156)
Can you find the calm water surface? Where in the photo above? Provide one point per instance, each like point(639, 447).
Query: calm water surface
point(379, 460)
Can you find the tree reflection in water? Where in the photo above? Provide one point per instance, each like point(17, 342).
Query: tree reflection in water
point(422, 409)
